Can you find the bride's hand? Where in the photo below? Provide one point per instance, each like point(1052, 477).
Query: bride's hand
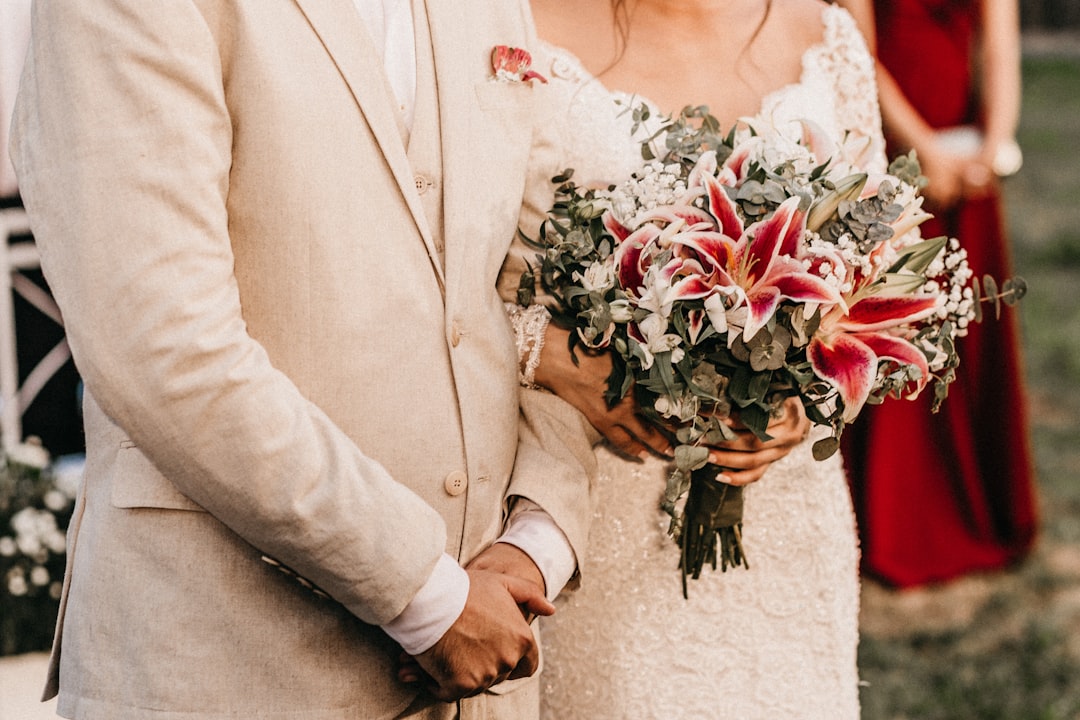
point(746, 458)
point(583, 386)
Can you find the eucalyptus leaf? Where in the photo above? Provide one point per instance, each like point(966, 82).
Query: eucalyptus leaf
point(991, 293)
point(1012, 290)
point(825, 448)
point(756, 420)
point(691, 457)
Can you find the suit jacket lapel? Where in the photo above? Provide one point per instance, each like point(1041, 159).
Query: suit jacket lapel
point(448, 23)
point(345, 38)
point(486, 128)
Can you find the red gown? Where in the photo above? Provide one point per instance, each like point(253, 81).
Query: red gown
point(940, 495)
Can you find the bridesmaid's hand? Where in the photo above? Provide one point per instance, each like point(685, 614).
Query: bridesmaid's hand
point(944, 173)
point(583, 386)
point(746, 458)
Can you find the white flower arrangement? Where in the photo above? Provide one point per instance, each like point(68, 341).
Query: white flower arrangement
point(34, 513)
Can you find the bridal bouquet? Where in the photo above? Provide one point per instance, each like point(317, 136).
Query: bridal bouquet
point(734, 271)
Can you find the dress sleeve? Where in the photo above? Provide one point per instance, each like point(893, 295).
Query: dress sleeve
point(855, 90)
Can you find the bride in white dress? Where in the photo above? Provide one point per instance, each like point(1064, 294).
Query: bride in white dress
point(777, 640)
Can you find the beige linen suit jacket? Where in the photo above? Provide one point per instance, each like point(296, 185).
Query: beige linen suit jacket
point(276, 359)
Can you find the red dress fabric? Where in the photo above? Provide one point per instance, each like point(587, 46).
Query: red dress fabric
point(940, 495)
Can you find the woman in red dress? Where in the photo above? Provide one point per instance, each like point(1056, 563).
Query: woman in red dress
point(940, 495)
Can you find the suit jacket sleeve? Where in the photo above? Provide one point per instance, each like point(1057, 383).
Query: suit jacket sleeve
point(123, 149)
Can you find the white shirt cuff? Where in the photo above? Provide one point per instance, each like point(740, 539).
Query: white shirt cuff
point(533, 531)
point(433, 610)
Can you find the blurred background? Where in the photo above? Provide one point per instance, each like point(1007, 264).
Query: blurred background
point(1006, 646)
point(1003, 645)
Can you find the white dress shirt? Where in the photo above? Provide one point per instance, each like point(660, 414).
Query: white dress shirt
point(390, 23)
point(440, 601)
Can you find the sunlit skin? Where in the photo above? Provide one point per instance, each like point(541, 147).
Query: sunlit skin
point(497, 575)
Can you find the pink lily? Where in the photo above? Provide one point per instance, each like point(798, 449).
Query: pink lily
point(849, 347)
point(762, 260)
point(633, 254)
point(713, 251)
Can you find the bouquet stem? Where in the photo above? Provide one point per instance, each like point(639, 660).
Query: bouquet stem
point(713, 514)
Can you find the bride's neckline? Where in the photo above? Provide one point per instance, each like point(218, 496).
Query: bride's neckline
point(769, 99)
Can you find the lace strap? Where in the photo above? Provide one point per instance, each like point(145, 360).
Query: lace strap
point(850, 64)
point(529, 325)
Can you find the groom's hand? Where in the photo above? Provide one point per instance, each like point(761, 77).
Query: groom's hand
point(509, 560)
point(491, 640)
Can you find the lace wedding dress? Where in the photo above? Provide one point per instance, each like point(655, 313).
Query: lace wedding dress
point(777, 640)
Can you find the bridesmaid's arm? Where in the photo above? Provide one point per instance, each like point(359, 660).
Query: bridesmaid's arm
point(905, 124)
point(999, 61)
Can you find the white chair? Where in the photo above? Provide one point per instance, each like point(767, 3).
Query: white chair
point(22, 255)
point(16, 257)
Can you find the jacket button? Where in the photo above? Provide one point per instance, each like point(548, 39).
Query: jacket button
point(422, 184)
point(455, 483)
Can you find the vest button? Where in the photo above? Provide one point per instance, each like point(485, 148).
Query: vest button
point(455, 483)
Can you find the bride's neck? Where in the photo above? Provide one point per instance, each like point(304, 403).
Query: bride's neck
point(696, 10)
point(720, 26)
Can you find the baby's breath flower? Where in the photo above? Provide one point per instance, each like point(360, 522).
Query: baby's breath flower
point(29, 453)
point(55, 500)
point(16, 582)
point(39, 575)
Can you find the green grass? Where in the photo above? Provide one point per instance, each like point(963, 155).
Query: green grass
point(1022, 678)
point(1010, 657)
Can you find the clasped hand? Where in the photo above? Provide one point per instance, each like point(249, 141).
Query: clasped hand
point(491, 641)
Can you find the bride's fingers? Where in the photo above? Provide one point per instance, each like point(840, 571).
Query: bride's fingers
point(743, 468)
point(632, 445)
point(622, 441)
point(735, 460)
point(744, 477)
point(747, 442)
point(653, 442)
point(786, 435)
point(627, 431)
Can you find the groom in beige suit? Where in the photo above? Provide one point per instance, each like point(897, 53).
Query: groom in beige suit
point(274, 228)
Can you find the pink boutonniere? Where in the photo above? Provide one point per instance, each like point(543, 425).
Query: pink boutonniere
point(511, 64)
